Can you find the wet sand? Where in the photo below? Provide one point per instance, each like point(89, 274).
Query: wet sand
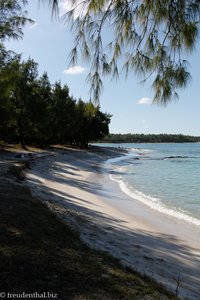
point(76, 185)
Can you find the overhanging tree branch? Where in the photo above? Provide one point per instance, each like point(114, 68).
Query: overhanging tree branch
point(150, 37)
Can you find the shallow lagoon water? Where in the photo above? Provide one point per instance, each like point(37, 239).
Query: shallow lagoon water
point(165, 177)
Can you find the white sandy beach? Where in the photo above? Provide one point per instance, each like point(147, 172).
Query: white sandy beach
point(73, 184)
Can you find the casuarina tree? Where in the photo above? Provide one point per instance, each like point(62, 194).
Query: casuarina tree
point(148, 37)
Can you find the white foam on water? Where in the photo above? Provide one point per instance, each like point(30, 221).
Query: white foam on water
point(150, 201)
point(153, 202)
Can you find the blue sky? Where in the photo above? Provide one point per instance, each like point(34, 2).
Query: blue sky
point(49, 42)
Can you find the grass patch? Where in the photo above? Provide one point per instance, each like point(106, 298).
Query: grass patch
point(39, 253)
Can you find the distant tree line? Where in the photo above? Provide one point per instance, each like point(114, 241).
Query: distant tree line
point(34, 111)
point(150, 138)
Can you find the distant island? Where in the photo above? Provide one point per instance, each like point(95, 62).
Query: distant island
point(150, 138)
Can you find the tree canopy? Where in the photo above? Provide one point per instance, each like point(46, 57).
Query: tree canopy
point(34, 111)
point(149, 37)
point(12, 19)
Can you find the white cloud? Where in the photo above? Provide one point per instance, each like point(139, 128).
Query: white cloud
point(144, 101)
point(81, 7)
point(66, 6)
point(74, 70)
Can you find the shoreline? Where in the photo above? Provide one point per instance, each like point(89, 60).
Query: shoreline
point(153, 203)
point(72, 185)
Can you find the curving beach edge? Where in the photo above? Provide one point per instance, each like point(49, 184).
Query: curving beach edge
point(73, 184)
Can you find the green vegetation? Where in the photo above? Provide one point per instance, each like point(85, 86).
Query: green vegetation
point(32, 110)
point(149, 38)
point(38, 252)
point(12, 19)
point(150, 138)
point(35, 112)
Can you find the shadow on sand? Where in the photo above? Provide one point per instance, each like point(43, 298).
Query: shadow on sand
point(163, 257)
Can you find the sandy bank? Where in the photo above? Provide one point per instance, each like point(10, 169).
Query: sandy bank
point(73, 183)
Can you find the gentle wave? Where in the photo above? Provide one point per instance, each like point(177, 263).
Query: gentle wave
point(153, 202)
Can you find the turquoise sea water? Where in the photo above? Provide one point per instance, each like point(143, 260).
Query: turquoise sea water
point(165, 177)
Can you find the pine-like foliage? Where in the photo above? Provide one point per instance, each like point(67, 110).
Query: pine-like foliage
point(148, 37)
point(12, 19)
